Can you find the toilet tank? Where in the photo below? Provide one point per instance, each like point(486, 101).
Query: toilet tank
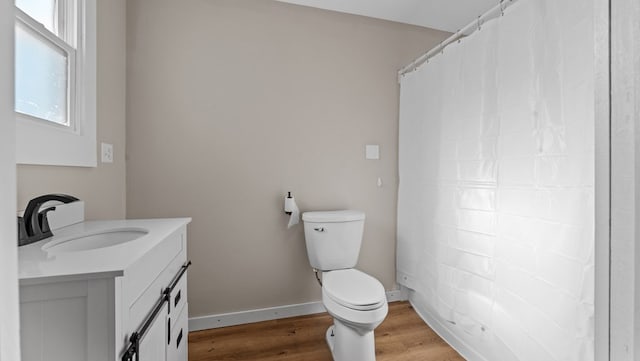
point(333, 238)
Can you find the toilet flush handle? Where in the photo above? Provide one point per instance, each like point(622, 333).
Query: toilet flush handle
point(319, 229)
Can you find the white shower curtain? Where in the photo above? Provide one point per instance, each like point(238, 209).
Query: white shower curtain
point(496, 194)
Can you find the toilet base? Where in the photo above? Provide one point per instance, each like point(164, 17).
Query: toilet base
point(347, 344)
point(330, 335)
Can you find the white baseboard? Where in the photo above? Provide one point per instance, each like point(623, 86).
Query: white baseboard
point(251, 316)
point(396, 295)
point(267, 314)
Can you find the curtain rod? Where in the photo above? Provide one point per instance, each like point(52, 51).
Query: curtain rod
point(469, 29)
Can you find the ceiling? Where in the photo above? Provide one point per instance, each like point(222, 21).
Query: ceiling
point(447, 15)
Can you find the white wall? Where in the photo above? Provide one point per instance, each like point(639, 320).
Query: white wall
point(625, 181)
point(602, 180)
point(9, 315)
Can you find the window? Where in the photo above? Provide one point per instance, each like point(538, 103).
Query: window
point(55, 65)
point(45, 61)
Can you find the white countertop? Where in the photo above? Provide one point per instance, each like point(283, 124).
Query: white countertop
point(36, 265)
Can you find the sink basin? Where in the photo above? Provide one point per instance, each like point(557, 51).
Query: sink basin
point(96, 240)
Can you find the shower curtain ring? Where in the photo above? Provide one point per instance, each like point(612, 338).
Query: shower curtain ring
point(501, 8)
point(479, 24)
point(459, 35)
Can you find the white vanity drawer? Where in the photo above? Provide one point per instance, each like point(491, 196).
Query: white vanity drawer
point(179, 295)
point(177, 347)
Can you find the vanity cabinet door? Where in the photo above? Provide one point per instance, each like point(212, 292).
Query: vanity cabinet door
point(153, 345)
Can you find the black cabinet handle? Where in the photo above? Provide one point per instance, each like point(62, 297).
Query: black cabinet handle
point(179, 339)
point(169, 331)
point(177, 299)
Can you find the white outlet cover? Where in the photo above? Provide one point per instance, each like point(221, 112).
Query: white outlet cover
point(107, 153)
point(372, 151)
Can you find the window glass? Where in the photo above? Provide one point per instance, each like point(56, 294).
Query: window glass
point(43, 11)
point(41, 77)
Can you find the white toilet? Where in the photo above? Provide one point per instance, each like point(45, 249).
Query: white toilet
point(356, 300)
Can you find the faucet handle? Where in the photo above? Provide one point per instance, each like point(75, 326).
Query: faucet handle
point(44, 221)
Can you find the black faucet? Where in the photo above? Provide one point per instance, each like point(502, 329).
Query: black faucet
point(34, 225)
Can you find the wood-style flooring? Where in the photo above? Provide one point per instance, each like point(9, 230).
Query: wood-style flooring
point(403, 336)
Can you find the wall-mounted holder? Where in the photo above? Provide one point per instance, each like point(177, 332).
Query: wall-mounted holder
point(287, 204)
point(291, 208)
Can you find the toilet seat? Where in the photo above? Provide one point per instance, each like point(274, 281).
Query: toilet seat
point(353, 289)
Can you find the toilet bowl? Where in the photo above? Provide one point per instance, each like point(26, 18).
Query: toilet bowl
point(356, 301)
point(358, 304)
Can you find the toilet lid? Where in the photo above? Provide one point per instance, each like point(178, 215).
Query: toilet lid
point(353, 289)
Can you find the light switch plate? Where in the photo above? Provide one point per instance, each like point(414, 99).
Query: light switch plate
point(372, 151)
point(107, 153)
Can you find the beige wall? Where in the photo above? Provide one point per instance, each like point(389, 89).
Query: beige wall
point(233, 103)
point(103, 188)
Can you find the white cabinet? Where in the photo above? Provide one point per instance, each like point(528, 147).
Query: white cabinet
point(162, 335)
point(91, 317)
point(152, 345)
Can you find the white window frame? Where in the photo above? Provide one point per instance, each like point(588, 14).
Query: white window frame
point(36, 29)
point(47, 143)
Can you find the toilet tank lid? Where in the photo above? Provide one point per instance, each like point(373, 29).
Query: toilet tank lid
point(333, 216)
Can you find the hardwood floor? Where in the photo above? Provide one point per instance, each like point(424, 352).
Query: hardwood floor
point(403, 336)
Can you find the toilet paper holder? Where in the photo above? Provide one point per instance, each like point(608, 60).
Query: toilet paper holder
point(285, 209)
point(291, 208)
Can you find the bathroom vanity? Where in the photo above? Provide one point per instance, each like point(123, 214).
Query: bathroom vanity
point(106, 291)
